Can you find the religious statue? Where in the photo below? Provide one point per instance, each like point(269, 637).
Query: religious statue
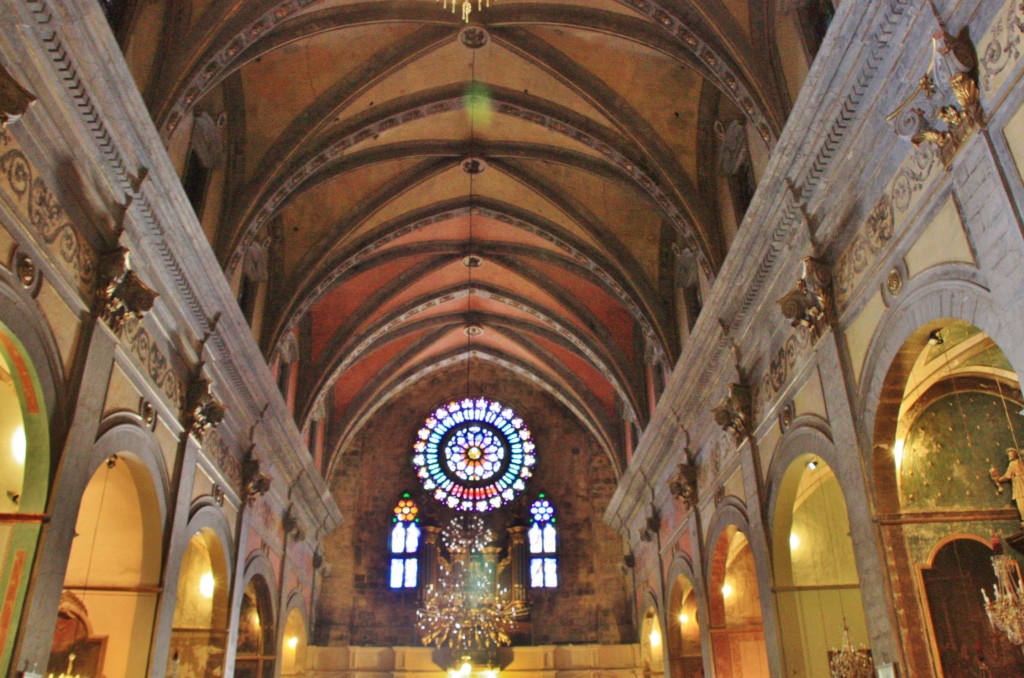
point(1015, 476)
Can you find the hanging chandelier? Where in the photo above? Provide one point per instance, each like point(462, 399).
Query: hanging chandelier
point(1006, 611)
point(850, 661)
point(467, 7)
point(466, 610)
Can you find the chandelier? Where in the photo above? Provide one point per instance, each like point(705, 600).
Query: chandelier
point(467, 7)
point(850, 661)
point(466, 610)
point(1006, 612)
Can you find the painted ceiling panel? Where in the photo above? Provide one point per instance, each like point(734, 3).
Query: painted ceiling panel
point(284, 82)
point(313, 214)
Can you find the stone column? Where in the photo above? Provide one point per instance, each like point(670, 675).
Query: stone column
point(177, 541)
point(73, 474)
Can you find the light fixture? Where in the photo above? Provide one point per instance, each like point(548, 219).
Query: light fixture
point(684, 618)
point(897, 453)
point(207, 585)
point(812, 464)
point(467, 7)
point(293, 642)
point(19, 445)
point(1006, 611)
point(794, 540)
point(849, 661)
point(726, 590)
point(655, 638)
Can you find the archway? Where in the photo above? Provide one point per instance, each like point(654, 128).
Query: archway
point(24, 479)
point(817, 589)
point(651, 644)
point(737, 635)
point(293, 644)
point(684, 653)
point(255, 653)
point(112, 581)
point(949, 410)
point(199, 629)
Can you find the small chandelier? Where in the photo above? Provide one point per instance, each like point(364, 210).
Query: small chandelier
point(467, 7)
point(850, 661)
point(1006, 612)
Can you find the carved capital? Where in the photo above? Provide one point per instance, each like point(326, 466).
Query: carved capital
point(121, 296)
point(290, 523)
point(733, 414)
point(203, 411)
point(683, 485)
point(14, 99)
point(255, 483)
point(945, 109)
point(651, 528)
point(810, 304)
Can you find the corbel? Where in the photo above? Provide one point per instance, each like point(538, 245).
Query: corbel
point(120, 295)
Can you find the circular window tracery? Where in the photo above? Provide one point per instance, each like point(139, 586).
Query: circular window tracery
point(474, 454)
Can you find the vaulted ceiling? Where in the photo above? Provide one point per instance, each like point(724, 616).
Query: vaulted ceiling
point(518, 189)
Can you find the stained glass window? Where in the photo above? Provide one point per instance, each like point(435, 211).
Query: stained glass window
point(474, 454)
point(405, 544)
point(543, 544)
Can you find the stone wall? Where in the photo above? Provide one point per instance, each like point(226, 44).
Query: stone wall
point(590, 603)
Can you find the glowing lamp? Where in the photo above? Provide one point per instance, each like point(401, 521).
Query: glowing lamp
point(18, 445)
point(207, 584)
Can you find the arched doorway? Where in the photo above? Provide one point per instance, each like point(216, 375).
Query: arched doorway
point(24, 480)
point(293, 645)
point(255, 655)
point(651, 644)
point(737, 635)
point(112, 581)
point(817, 588)
point(684, 631)
point(949, 411)
point(199, 629)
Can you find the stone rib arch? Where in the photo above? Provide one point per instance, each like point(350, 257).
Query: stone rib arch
point(591, 423)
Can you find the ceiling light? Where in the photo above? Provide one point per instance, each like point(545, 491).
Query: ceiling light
point(726, 590)
point(812, 464)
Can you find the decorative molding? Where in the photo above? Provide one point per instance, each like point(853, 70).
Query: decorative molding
point(1000, 47)
point(779, 371)
point(217, 451)
point(810, 305)
point(14, 99)
point(44, 216)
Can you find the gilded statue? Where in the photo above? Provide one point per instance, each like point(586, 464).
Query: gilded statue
point(1015, 476)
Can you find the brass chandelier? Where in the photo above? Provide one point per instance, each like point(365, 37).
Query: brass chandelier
point(466, 610)
point(467, 7)
point(1006, 611)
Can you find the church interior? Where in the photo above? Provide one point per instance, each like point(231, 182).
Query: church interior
point(306, 305)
